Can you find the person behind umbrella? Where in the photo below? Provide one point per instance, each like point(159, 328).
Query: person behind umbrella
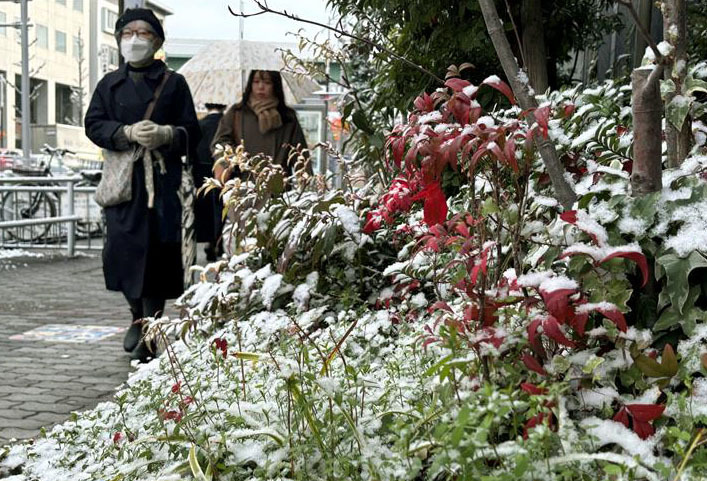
point(142, 250)
point(208, 206)
point(262, 121)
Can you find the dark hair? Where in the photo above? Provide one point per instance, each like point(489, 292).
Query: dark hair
point(214, 106)
point(285, 112)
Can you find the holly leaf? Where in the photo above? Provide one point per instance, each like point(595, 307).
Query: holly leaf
point(693, 85)
point(676, 111)
point(677, 271)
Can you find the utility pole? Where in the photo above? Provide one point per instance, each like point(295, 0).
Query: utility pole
point(23, 25)
point(26, 141)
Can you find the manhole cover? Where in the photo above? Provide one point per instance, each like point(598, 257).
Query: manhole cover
point(68, 333)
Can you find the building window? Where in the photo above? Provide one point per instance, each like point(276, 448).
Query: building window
point(42, 36)
point(3, 19)
point(78, 5)
point(108, 19)
point(67, 110)
point(18, 32)
point(60, 41)
point(61, 2)
point(77, 47)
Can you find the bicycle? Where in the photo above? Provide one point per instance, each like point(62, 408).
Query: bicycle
point(35, 205)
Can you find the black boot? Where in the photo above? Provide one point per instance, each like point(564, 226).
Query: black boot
point(132, 336)
point(144, 352)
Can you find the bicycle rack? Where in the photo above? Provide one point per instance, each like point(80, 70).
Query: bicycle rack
point(12, 229)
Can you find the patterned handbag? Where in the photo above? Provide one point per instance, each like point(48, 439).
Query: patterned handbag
point(116, 182)
point(115, 186)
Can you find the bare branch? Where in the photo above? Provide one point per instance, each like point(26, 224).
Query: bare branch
point(642, 30)
point(284, 13)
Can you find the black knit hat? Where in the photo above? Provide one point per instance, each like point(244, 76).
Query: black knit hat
point(145, 14)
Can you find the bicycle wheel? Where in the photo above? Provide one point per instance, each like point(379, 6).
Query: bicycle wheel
point(28, 205)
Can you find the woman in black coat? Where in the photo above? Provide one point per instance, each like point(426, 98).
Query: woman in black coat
point(208, 206)
point(142, 251)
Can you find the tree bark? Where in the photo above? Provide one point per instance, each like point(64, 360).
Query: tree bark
point(646, 176)
point(678, 140)
point(563, 191)
point(534, 52)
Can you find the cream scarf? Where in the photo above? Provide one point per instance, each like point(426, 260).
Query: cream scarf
point(268, 115)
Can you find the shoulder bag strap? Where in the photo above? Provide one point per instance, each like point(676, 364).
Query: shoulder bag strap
point(158, 91)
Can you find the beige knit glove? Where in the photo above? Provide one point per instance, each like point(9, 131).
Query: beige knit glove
point(151, 135)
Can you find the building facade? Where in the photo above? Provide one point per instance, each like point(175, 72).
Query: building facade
point(71, 48)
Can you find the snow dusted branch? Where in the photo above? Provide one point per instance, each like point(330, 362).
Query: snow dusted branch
point(642, 30)
point(264, 8)
point(563, 191)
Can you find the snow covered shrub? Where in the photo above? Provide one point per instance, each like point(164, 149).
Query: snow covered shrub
point(460, 325)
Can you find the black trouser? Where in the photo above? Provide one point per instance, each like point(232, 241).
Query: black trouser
point(146, 307)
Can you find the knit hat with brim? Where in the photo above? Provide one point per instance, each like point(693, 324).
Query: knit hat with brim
point(145, 14)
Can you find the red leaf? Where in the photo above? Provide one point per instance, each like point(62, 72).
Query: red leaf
point(440, 305)
point(533, 339)
point(578, 322)
point(435, 207)
point(533, 364)
point(542, 117)
point(621, 417)
point(645, 412)
point(557, 303)
point(533, 389)
point(501, 86)
point(462, 229)
point(460, 109)
point(552, 329)
point(424, 103)
point(634, 256)
point(569, 109)
point(569, 216)
point(643, 429)
point(615, 316)
point(457, 84)
point(398, 150)
point(509, 150)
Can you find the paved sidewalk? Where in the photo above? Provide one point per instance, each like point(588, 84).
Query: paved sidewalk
point(42, 381)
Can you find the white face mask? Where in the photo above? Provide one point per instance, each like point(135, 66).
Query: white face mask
point(136, 49)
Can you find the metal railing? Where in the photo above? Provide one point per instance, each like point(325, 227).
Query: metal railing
point(49, 213)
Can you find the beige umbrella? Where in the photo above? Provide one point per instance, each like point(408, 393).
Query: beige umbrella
point(218, 72)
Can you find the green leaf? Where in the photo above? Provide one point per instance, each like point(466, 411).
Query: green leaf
point(361, 121)
point(677, 110)
point(677, 270)
point(666, 87)
point(194, 465)
point(669, 361)
point(650, 367)
point(693, 85)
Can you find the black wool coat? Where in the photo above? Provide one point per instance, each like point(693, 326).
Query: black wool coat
point(142, 250)
point(208, 206)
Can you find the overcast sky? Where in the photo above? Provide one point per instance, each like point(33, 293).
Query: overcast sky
point(210, 19)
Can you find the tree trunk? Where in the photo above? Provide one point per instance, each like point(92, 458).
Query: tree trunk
point(646, 176)
point(678, 139)
point(563, 191)
point(534, 52)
